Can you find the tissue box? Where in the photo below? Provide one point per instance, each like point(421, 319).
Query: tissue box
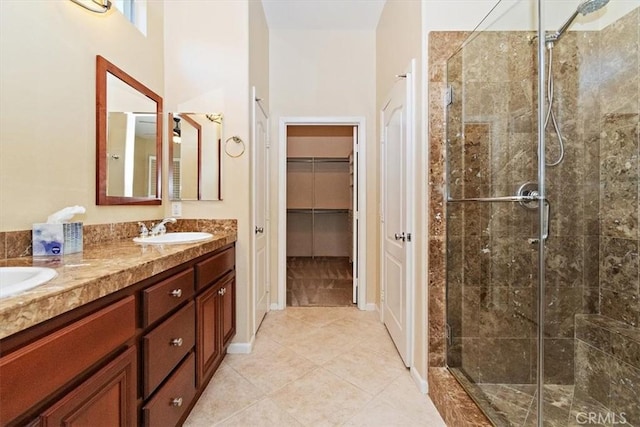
point(56, 239)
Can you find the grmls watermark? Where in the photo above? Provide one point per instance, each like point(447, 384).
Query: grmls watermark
point(607, 418)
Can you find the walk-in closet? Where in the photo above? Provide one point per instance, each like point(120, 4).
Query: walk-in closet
point(320, 194)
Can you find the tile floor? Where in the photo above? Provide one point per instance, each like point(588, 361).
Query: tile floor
point(319, 282)
point(316, 366)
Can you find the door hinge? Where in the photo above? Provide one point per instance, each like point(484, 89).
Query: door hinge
point(408, 237)
point(448, 96)
point(382, 295)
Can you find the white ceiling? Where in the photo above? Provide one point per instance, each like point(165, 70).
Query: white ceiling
point(323, 14)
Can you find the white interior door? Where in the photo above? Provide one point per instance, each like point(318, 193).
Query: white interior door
point(260, 211)
point(395, 116)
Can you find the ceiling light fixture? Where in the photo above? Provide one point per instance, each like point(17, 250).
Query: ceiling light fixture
point(98, 6)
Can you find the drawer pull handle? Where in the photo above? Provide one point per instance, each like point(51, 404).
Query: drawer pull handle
point(176, 342)
point(177, 293)
point(176, 401)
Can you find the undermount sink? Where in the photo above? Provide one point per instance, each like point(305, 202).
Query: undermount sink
point(174, 238)
point(20, 279)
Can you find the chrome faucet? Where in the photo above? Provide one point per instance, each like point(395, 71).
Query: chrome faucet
point(144, 231)
point(159, 228)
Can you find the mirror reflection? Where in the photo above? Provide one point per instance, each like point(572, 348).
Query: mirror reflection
point(129, 143)
point(194, 150)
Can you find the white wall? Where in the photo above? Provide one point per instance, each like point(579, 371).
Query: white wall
point(210, 44)
point(47, 102)
point(325, 73)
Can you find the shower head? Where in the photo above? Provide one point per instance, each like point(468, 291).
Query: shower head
point(590, 6)
point(584, 8)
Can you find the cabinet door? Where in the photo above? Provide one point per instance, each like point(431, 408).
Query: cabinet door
point(106, 399)
point(59, 358)
point(208, 339)
point(228, 315)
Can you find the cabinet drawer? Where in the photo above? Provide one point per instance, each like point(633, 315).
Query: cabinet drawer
point(213, 268)
point(161, 298)
point(36, 371)
point(172, 400)
point(166, 345)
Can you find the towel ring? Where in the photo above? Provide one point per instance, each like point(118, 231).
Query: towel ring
point(237, 140)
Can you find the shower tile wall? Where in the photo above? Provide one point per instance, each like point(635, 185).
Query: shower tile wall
point(592, 269)
point(607, 349)
point(491, 273)
point(491, 266)
point(441, 46)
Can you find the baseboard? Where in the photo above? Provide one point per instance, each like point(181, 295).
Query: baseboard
point(241, 347)
point(371, 307)
point(275, 306)
point(420, 382)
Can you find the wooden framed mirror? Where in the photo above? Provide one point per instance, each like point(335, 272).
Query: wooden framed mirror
point(128, 139)
point(195, 156)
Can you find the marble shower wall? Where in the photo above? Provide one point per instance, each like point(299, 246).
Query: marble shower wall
point(592, 262)
point(618, 94)
point(607, 352)
point(492, 136)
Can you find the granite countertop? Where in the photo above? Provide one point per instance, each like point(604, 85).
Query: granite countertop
point(97, 271)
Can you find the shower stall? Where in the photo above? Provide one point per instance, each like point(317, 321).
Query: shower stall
point(542, 183)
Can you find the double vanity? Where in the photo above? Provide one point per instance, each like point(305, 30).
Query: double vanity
point(125, 334)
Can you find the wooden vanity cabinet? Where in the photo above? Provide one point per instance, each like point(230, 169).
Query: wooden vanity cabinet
point(186, 344)
point(215, 312)
point(34, 374)
point(140, 356)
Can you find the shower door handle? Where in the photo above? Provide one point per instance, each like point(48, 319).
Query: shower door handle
point(545, 223)
point(516, 198)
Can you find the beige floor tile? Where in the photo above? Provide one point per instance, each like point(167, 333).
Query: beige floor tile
point(381, 414)
point(371, 372)
point(282, 382)
point(319, 316)
point(227, 393)
point(320, 399)
point(322, 344)
point(403, 395)
point(382, 345)
point(284, 329)
point(264, 413)
point(271, 365)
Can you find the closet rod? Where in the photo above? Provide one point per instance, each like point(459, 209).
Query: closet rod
point(317, 211)
point(317, 160)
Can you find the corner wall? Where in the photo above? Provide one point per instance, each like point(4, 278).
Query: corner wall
point(399, 39)
point(316, 73)
point(207, 70)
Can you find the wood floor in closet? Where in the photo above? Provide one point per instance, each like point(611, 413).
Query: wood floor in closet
point(319, 282)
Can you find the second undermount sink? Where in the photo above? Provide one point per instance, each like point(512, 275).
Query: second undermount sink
point(19, 279)
point(175, 238)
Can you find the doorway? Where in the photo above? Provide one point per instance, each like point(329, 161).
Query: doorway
point(320, 197)
point(319, 222)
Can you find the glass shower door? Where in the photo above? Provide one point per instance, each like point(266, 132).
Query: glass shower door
point(493, 215)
